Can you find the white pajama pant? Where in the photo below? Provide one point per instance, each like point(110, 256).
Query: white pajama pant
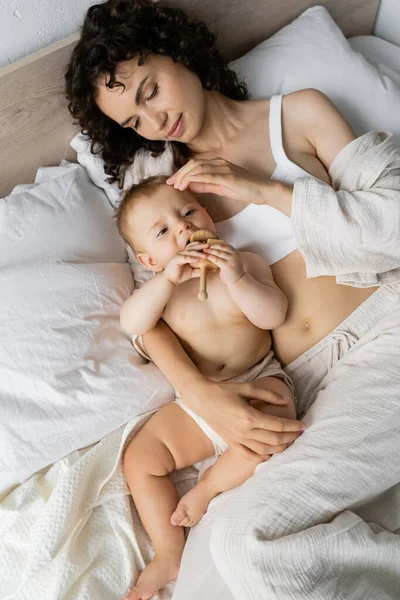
point(319, 521)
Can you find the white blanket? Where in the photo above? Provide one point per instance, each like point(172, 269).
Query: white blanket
point(72, 533)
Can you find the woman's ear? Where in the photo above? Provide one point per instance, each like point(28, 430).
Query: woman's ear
point(148, 262)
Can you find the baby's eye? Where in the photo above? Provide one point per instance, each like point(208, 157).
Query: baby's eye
point(162, 231)
point(190, 212)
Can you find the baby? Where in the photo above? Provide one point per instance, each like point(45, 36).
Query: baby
point(226, 337)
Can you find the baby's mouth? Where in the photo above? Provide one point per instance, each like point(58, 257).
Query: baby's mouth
point(188, 240)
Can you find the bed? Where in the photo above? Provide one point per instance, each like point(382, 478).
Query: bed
point(72, 388)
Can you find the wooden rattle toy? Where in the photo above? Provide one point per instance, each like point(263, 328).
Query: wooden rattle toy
point(203, 235)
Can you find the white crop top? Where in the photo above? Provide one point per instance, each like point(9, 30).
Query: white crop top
point(262, 229)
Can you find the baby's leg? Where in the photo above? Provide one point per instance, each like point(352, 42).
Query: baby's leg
point(169, 441)
point(235, 466)
point(231, 469)
point(277, 385)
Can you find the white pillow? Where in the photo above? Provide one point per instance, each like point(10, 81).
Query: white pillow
point(62, 219)
point(380, 53)
point(313, 52)
point(94, 166)
point(68, 374)
point(145, 166)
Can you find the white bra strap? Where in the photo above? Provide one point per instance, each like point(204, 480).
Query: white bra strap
point(275, 129)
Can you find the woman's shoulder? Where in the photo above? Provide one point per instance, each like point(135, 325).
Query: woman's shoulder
point(307, 101)
point(309, 115)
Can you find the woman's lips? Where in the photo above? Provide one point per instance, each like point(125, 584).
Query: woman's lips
point(177, 127)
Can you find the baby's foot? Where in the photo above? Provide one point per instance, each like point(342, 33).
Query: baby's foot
point(193, 505)
point(158, 573)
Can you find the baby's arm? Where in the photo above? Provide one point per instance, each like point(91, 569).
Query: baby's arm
point(141, 311)
point(257, 295)
point(249, 281)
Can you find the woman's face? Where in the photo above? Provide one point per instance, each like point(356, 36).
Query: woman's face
point(162, 100)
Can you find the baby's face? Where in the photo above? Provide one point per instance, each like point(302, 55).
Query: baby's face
point(162, 223)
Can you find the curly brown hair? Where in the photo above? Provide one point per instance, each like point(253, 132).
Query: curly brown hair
point(117, 31)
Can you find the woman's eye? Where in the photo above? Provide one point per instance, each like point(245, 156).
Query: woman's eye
point(162, 231)
point(154, 92)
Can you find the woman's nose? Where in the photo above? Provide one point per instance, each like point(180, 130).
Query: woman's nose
point(156, 120)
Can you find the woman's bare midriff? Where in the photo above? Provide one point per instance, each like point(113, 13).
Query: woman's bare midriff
point(316, 307)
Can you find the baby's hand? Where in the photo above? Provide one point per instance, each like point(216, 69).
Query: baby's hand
point(228, 259)
point(178, 269)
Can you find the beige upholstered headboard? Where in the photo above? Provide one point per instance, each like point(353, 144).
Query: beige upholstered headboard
point(35, 126)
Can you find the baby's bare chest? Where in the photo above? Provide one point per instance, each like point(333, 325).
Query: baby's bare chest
point(185, 313)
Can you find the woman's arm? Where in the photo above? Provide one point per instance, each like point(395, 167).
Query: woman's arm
point(225, 406)
point(312, 126)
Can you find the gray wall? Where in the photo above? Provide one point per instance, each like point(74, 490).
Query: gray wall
point(29, 25)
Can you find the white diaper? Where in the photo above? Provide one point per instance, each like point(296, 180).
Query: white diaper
point(266, 367)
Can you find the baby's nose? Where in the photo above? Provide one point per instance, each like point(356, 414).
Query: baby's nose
point(184, 226)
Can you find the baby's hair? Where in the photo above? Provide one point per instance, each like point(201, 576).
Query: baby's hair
point(146, 187)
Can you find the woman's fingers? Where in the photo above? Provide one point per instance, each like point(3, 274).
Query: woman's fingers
point(253, 392)
point(264, 449)
point(274, 438)
point(201, 169)
point(208, 173)
point(206, 188)
point(254, 446)
point(193, 164)
point(277, 424)
point(217, 177)
point(177, 178)
point(278, 401)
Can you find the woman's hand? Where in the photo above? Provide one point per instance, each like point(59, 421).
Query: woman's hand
point(226, 408)
point(221, 177)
